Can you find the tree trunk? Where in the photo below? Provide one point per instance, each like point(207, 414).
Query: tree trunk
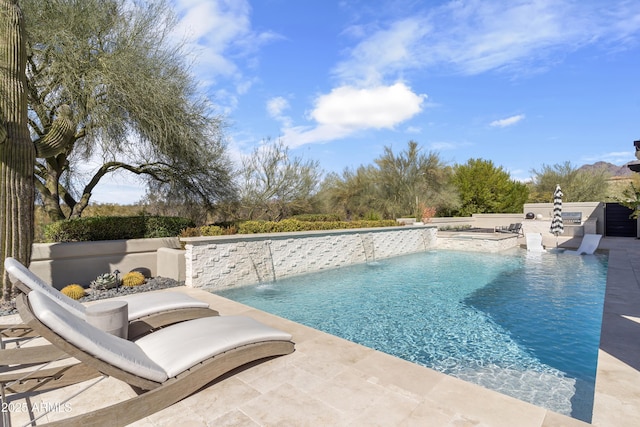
point(17, 152)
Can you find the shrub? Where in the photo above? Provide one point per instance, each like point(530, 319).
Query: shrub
point(428, 213)
point(114, 228)
point(289, 225)
point(212, 230)
point(208, 230)
point(372, 216)
point(133, 278)
point(454, 227)
point(190, 232)
point(317, 217)
point(73, 291)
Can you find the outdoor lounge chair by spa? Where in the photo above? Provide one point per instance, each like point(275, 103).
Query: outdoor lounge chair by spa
point(588, 245)
point(512, 228)
point(146, 311)
point(534, 243)
point(166, 365)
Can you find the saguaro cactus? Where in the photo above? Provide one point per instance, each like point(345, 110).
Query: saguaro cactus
point(17, 151)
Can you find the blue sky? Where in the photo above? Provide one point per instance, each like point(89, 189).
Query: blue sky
point(520, 83)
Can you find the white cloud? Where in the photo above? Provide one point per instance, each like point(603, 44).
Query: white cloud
point(384, 52)
point(477, 36)
point(275, 106)
point(509, 121)
point(347, 109)
point(221, 39)
point(377, 107)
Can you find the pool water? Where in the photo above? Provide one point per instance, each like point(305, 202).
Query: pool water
point(524, 325)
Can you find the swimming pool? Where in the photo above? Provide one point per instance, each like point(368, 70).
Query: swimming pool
point(525, 325)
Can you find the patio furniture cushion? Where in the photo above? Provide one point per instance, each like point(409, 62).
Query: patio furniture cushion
point(162, 354)
point(116, 351)
point(24, 275)
point(139, 305)
point(148, 303)
point(181, 346)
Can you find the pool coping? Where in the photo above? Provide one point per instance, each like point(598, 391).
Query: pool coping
point(331, 381)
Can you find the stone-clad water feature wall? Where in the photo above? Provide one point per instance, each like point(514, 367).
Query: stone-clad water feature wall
point(220, 262)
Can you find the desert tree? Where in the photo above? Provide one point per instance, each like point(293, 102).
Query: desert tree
point(411, 179)
point(111, 86)
point(17, 152)
point(578, 185)
point(486, 188)
point(353, 194)
point(274, 185)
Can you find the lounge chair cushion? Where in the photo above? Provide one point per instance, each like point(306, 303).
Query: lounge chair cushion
point(116, 351)
point(139, 305)
point(162, 354)
point(24, 275)
point(183, 345)
point(148, 303)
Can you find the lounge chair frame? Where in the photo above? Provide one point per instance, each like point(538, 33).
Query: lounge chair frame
point(24, 356)
point(515, 228)
point(154, 396)
point(137, 327)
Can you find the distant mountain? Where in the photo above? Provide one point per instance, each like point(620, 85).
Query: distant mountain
point(614, 170)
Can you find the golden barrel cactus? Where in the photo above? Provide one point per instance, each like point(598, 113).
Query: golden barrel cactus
point(73, 291)
point(133, 278)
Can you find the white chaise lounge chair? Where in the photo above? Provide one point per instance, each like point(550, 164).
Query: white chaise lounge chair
point(166, 365)
point(146, 311)
point(534, 243)
point(588, 245)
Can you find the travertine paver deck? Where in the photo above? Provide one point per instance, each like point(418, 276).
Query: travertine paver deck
point(331, 381)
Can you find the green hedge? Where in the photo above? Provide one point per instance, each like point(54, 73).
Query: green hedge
point(317, 217)
point(115, 228)
point(288, 225)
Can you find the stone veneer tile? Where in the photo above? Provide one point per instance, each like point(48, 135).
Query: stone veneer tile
point(483, 407)
point(286, 403)
point(179, 414)
point(617, 395)
point(432, 414)
point(397, 374)
point(349, 393)
point(219, 399)
point(553, 419)
point(233, 419)
point(100, 395)
point(265, 381)
point(327, 358)
point(220, 264)
point(391, 409)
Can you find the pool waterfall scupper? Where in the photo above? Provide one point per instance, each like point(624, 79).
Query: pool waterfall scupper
point(220, 262)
